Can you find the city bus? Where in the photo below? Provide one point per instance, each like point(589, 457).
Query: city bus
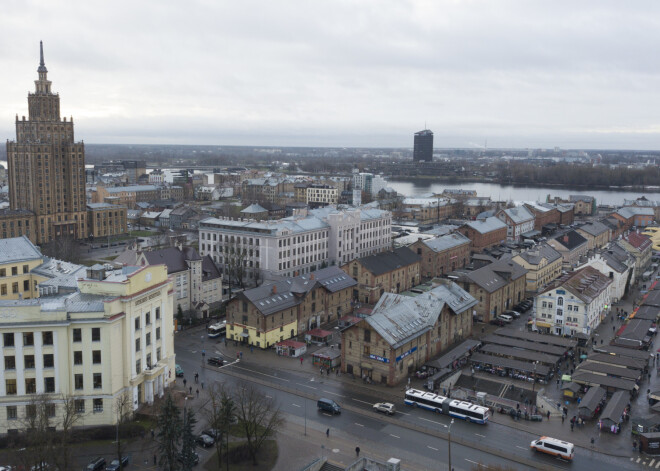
point(217, 330)
point(446, 405)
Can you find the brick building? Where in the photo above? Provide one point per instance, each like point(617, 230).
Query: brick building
point(484, 233)
point(544, 215)
point(443, 254)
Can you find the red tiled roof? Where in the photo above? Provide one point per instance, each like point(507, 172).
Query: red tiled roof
point(639, 241)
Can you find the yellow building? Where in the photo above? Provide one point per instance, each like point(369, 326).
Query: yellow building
point(93, 336)
point(543, 265)
point(105, 219)
point(18, 257)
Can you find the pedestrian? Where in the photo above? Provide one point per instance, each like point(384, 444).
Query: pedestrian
point(301, 360)
point(237, 355)
point(321, 370)
point(572, 425)
point(153, 434)
point(251, 349)
point(327, 433)
point(562, 418)
point(548, 414)
point(202, 384)
point(557, 382)
point(184, 382)
point(337, 371)
point(225, 341)
point(357, 451)
point(196, 377)
point(198, 392)
point(241, 355)
point(190, 390)
point(155, 460)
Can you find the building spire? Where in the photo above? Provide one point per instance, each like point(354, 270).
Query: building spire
point(42, 65)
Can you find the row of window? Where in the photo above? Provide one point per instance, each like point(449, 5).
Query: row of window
point(8, 338)
point(14, 270)
point(30, 385)
point(49, 409)
point(15, 287)
point(29, 361)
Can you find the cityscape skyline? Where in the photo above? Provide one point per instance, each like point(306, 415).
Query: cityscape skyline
point(517, 75)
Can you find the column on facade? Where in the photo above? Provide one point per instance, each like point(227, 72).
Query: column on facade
point(149, 391)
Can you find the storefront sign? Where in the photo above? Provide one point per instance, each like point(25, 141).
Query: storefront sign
point(379, 358)
point(405, 354)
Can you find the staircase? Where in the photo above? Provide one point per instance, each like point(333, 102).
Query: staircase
point(328, 466)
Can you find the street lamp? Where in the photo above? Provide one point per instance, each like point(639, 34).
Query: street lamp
point(449, 443)
point(534, 377)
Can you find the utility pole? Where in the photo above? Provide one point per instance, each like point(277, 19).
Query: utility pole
point(449, 443)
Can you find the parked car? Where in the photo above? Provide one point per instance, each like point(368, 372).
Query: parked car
point(515, 314)
point(497, 321)
point(213, 433)
point(216, 361)
point(385, 407)
point(421, 374)
point(178, 371)
point(205, 441)
point(116, 465)
point(97, 464)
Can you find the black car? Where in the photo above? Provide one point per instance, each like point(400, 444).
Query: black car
point(116, 465)
point(213, 433)
point(497, 321)
point(217, 361)
point(97, 464)
point(179, 457)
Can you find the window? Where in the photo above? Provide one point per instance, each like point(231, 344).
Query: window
point(157, 333)
point(8, 339)
point(10, 363)
point(49, 360)
point(97, 381)
point(26, 285)
point(96, 334)
point(148, 360)
point(245, 306)
point(10, 386)
point(137, 323)
point(157, 313)
point(77, 335)
point(147, 318)
point(3, 272)
point(137, 345)
point(25, 268)
point(98, 405)
point(77, 358)
point(14, 288)
point(367, 336)
point(138, 367)
point(30, 385)
point(80, 406)
point(28, 338)
point(147, 339)
point(12, 412)
point(31, 411)
point(28, 361)
point(47, 337)
point(14, 271)
point(3, 290)
point(560, 301)
point(158, 354)
point(49, 384)
point(78, 381)
point(96, 356)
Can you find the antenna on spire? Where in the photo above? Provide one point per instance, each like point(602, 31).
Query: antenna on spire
point(42, 65)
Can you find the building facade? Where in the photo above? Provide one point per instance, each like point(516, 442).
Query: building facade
point(597, 234)
point(281, 310)
point(321, 195)
point(576, 303)
point(104, 220)
point(543, 265)
point(443, 254)
point(47, 166)
point(423, 146)
point(92, 336)
point(572, 247)
point(405, 332)
point(391, 272)
point(484, 234)
point(518, 221)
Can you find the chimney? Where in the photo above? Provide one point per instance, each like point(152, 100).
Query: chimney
point(311, 277)
point(274, 289)
point(566, 238)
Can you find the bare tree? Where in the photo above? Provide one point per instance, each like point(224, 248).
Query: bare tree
point(219, 415)
point(258, 417)
point(67, 419)
point(122, 411)
point(39, 431)
point(234, 260)
point(63, 248)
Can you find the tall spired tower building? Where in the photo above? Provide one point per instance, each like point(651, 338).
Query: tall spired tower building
point(47, 167)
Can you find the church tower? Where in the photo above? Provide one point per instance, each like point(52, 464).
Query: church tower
point(47, 167)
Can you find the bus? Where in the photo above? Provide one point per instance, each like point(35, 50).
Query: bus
point(217, 330)
point(446, 405)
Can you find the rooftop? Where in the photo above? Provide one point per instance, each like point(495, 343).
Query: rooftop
point(490, 224)
point(385, 262)
point(18, 249)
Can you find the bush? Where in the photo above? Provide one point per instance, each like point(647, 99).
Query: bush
point(239, 453)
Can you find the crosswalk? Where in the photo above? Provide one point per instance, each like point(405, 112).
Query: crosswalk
point(644, 461)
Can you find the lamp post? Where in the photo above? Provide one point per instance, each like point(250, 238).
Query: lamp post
point(534, 377)
point(449, 443)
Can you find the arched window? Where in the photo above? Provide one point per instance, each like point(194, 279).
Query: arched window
point(560, 301)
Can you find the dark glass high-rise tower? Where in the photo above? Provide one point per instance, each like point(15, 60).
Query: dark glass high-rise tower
point(423, 150)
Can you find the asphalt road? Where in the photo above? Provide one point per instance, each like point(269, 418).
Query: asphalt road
point(413, 435)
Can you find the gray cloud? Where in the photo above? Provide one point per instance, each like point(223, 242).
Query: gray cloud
point(369, 73)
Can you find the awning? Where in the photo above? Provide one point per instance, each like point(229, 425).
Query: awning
point(245, 334)
point(543, 324)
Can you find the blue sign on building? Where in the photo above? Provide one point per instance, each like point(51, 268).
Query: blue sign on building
point(379, 358)
point(405, 354)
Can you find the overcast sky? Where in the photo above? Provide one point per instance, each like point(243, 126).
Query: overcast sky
point(341, 73)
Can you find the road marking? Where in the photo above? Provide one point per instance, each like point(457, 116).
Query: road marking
point(395, 436)
point(363, 402)
point(479, 465)
point(296, 405)
point(336, 394)
point(269, 397)
point(310, 387)
point(480, 435)
point(434, 449)
point(657, 465)
point(260, 373)
point(638, 460)
point(521, 447)
point(359, 425)
point(434, 422)
point(651, 463)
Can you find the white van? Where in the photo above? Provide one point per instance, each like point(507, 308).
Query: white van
point(554, 447)
point(505, 318)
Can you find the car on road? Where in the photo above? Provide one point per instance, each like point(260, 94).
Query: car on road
point(116, 465)
point(178, 370)
point(216, 361)
point(385, 407)
point(515, 314)
point(205, 441)
point(497, 321)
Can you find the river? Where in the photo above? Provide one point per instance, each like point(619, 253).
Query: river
point(516, 193)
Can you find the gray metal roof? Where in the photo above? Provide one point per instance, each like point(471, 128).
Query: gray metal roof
point(615, 407)
point(519, 214)
point(18, 249)
point(592, 398)
point(595, 228)
point(496, 275)
point(571, 240)
point(399, 319)
point(254, 209)
point(490, 224)
point(132, 188)
point(446, 242)
point(538, 253)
